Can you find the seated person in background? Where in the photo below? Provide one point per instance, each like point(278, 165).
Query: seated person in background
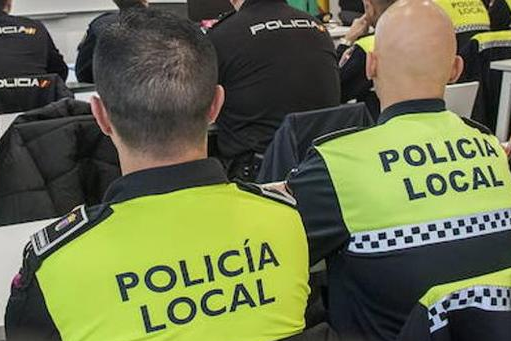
point(273, 60)
point(500, 14)
point(175, 252)
point(96, 27)
point(357, 43)
point(26, 47)
point(419, 200)
point(469, 17)
point(354, 48)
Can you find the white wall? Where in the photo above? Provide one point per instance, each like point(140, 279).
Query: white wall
point(68, 29)
point(67, 32)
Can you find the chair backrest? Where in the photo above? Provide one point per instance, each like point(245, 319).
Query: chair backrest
point(23, 93)
point(460, 98)
point(207, 9)
point(296, 134)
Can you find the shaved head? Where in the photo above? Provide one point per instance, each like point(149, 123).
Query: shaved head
point(415, 52)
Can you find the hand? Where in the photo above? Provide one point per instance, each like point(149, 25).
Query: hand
point(359, 28)
point(277, 187)
point(507, 148)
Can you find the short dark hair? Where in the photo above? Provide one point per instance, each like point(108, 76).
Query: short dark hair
point(126, 4)
point(156, 74)
point(2, 4)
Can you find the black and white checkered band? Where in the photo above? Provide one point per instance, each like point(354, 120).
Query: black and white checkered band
point(494, 44)
point(488, 298)
point(472, 28)
point(435, 232)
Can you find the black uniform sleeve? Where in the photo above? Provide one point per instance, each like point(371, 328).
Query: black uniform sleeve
point(354, 82)
point(27, 317)
point(472, 68)
point(318, 205)
point(340, 51)
point(84, 60)
point(55, 62)
point(417, 326)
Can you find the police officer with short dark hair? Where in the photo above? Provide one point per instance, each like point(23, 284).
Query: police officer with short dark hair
point(421, 199)
point(84, 60)
point(26, 47)
point(175, 251)
point(273, 60)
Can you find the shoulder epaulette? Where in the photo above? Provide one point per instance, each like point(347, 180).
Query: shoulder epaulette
point(54, 236)
point(366, 43)
point(494, 39)
point(336, 134)
point(265, 191)
point(481, 127)
point(222, 17)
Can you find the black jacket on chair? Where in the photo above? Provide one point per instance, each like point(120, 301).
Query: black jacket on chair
point(52, 160)
point(24, 93)
point(299, 130)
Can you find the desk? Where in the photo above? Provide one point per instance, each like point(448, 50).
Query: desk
point(337, 31)
point(85, 96)
point(13, 239)
point(6, 121)
point(504, 115)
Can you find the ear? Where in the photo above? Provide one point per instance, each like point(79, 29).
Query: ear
point(216, 105)
point(101, 115)
point(457, 69)
point(371, 65)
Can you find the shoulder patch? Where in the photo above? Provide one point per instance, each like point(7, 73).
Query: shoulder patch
point(337, 134)
point(267, 192)
point(481, 127)
point(52, 237)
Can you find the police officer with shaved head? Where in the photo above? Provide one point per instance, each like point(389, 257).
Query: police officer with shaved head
point(175, 251)
point(96, 27)
point(420, 199)
point(26, 47)
point(273, 60)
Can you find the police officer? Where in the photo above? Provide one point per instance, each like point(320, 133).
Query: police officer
point(175, 252)
point(27, 47)
point(500, 14)
point(96, 27)
point(418, 200)
point(352, 53)
point(469, 17)
point(273, 60)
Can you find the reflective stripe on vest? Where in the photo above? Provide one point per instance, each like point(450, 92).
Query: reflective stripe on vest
point(490, 292)
point(466, 15)
point(366, 43)
point(489, 40)
point(418, 180)
point(210, 262)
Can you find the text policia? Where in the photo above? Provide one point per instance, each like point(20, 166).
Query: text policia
point(457, 180)
point(250, 291)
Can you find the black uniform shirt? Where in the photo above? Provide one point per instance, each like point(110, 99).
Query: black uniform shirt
point(86, 48)
point(500, 15)
point(27, 49)
point(371, 296)
point(273, 60)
